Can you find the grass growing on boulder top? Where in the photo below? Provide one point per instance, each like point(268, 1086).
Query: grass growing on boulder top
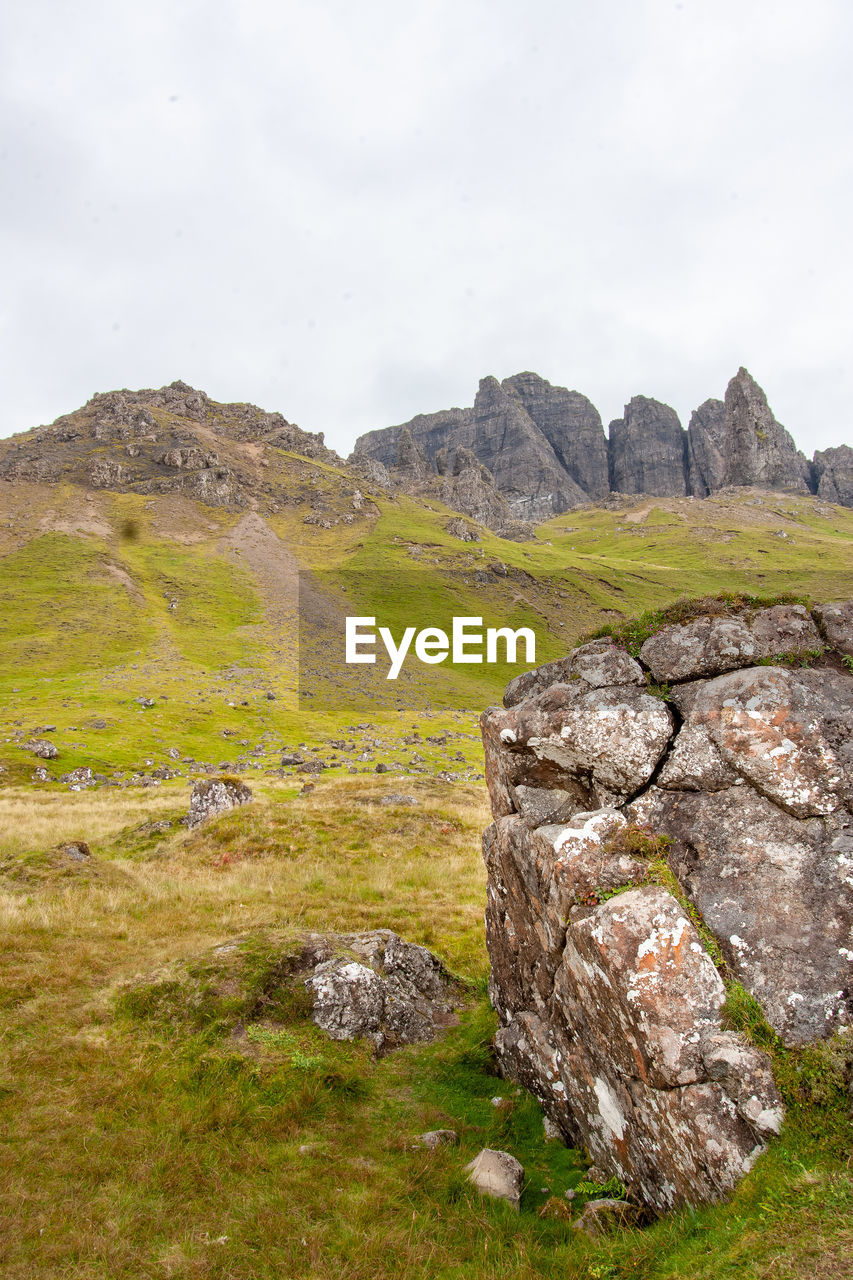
point(632, 633)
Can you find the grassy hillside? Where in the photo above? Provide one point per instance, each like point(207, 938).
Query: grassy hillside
point(108, 598)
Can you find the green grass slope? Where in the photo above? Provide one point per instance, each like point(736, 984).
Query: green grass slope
point(108, 598)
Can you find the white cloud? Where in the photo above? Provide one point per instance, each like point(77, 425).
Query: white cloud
point(351, 213)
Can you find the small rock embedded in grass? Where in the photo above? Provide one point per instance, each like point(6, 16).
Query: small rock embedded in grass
point(554, 1207)
point(599, 1217)
point(78, 851)
point(435, 1138)
point(497, 1174)
point(43, 749)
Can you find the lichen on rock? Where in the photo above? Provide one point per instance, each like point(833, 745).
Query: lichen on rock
point(610, 1006)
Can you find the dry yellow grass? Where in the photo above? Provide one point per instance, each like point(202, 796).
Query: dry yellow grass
point(134, 1149)
point(34, 819)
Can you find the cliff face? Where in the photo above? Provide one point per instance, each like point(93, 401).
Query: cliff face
point(547, 452)
point(706, 434)
point(833, 469)
point(648, 450)
point(572, 426)
point(757, 449)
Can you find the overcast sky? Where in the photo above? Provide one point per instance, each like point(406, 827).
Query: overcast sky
point(350, 212)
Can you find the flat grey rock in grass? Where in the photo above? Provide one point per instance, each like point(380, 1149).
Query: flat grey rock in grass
point(497, 1174)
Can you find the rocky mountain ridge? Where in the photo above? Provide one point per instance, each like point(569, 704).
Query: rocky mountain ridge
point(172, 440)
point(525, 452)
point(545, 451)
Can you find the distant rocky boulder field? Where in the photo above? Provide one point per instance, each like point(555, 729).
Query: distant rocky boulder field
point(671, 827)
point(528, 451)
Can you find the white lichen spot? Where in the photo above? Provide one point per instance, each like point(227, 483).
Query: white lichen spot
point(608, 1107)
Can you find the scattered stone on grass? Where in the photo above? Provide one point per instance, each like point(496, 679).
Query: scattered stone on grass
point(214, 796)
point(437, 1138)
point(497, 1174)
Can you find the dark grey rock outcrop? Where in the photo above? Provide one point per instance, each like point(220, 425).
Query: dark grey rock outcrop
point(758, 450)
point(833, 474)
point(572, 426)
point(609, 1004)
point(546, 452)
point(648, 450)
point(706, 461)
point(539, 444)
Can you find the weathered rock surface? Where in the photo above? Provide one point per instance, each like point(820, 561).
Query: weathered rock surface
point(497, 1174)
point(648, 450)
point(600, 745)
point(378, 987)
point(211, 797)
point(777, 892)
point(836, 619)
point(710, 645)
point(598, 664)
point(758, 450)
point(833, 471)
point(609, 1004)
point(706, 459)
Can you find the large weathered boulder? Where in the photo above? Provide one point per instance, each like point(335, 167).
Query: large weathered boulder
point(378, 987)
point(610, 1006)
point(213, 796)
